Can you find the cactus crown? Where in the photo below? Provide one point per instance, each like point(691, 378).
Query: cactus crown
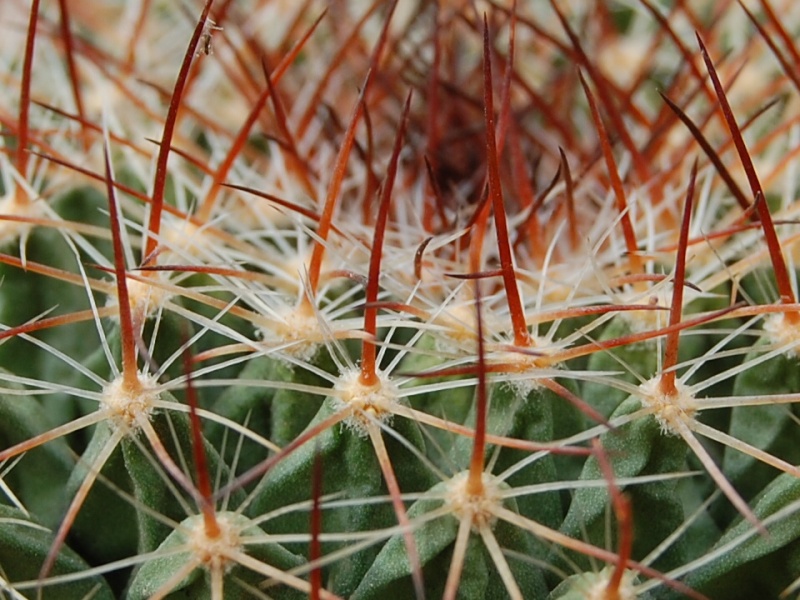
point(422, 299)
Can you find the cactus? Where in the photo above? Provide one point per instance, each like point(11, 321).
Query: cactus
point(399, 299)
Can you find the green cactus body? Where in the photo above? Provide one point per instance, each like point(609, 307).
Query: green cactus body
point(367, 299)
